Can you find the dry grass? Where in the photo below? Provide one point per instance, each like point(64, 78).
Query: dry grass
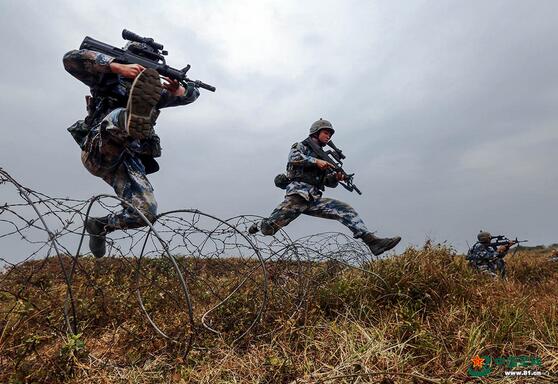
point(420, 317)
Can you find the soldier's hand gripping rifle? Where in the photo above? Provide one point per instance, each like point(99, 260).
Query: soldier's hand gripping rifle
point(335, 157)
point(502, 240)
point(147, 53)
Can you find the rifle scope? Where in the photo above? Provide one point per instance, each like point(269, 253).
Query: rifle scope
point(131, 36)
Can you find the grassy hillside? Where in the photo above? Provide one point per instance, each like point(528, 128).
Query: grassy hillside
point(418, 317)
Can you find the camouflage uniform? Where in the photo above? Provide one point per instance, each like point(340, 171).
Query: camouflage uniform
point(486, 258)
point(304, 195)
point(107, 150)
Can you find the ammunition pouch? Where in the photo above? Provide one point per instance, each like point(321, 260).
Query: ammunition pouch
point(97, 109)
point(281, 181)
point(79, 131)
point(100, 106)
point(150, 146)
point(149, 149)
point(151, 165)
point(310, 175)
point(314, 180)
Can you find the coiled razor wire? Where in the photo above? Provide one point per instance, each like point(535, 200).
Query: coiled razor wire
point(190, 272)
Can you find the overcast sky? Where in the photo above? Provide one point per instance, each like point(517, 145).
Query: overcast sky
point(446, 110)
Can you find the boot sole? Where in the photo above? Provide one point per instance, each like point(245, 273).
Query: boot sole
point(144, 96)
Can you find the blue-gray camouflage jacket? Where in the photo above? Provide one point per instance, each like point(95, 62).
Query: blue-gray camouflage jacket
point(302, 155)
point(483, 253)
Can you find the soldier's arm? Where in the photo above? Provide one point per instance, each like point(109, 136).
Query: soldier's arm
point(299, 157)
point(87, 66)
point(502, 249)
point(126, 70)
point(168, 99)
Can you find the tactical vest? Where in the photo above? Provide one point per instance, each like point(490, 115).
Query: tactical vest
point(309, 174)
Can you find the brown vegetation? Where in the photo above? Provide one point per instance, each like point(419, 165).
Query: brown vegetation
point(414, 318)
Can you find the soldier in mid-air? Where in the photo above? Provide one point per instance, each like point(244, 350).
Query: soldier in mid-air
point(117, 138)
point(307, 176)
point(488, 257)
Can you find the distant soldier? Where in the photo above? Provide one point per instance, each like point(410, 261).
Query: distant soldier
point(117, 138)
point(307, 177)
point(554, 255)
point(488, 257)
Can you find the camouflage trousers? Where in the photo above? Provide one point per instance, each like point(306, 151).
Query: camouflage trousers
point(491, 267)
point(295, 205)
point(106, 155)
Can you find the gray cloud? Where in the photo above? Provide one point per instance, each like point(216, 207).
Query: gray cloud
point(445, 109)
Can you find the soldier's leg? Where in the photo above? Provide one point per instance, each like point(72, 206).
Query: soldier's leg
point(346, 215)
point(131, 184)
point(102, 156)
point(340, 211)
point(288, 210)
point(105, 145)
point(499, 267)
point(105, 156)
point(487, 267)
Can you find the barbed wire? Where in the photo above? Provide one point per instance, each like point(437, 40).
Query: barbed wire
point(189, 272)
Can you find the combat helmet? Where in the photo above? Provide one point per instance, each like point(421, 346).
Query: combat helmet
point(484, 237)
point(321, 124)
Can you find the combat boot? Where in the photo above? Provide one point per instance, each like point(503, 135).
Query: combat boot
point(95, 226)
point(144, 96)
point(253, 229)
point(379, 245)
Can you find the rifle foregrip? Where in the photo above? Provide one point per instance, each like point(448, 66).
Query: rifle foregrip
point(201, 84)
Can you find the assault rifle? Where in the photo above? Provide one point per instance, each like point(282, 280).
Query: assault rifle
point(147, 53)
point(335, 156)
point(503, 240)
